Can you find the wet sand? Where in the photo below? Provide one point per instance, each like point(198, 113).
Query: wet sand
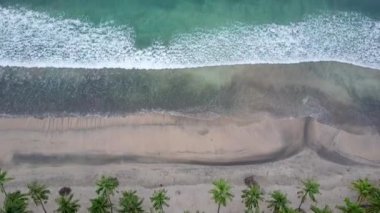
point(163, 137)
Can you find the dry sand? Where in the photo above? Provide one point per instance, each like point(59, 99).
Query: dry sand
point(188, 185)
point(144, 150)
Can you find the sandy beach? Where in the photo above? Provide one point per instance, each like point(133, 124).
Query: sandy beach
point(146, 150)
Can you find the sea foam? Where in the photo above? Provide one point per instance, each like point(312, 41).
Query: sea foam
point(34, 39)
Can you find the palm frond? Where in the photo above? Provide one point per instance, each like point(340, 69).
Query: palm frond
point(16, 202)
point(67, 204)
point(350, 207)
point(160, 200)
point(221, 193)
point(131, 203)
point(326, 209)
point(106, 185)
point(100, 204)
point(251, 197)
point(279, 202)
point(38, 192)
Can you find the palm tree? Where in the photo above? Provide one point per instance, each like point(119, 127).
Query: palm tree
point(66, 204)
point(374, 202)
point(278, 202)
point(291, 210)
point(350, 207)
point(326, 209)
point(39, 194)
point(251, 198)
point(106, 186)
point(159, 199)
point(364, 189)
point(100, 204)
point(15, 202)
point(3, 180)
point(310, 189)
point(221, 193)
point(130, 203)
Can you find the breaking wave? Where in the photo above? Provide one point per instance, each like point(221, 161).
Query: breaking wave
point(35, 39)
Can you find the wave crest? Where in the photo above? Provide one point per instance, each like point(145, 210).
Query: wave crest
point(34, 39)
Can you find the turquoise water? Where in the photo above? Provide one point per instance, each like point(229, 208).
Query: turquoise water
point(187, 33)
point(154, 20)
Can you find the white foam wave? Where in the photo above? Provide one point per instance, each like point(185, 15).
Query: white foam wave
point(34, 39)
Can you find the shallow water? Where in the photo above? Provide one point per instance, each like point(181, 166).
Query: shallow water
point(331, 92)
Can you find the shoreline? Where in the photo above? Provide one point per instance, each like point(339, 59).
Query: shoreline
point(211, 66)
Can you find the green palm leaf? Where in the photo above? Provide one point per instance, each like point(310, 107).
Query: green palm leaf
point(326, 209)
point(279, 203)
point(160, 200)
point(251, 198)
point(39, 194)
point(309, 189)
point(15, 202)
point(374, 202)
point(100, 204)
point(66, 204)
point(221, 193)
point(350, 207)
point(106, 186)
point(131, 203)
point(364, 189)
point(4, 178)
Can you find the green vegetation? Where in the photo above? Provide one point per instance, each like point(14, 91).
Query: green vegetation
point(3, 180)
point(374, 202)
point(160, 200)
point(310, 189)
point(326, 209)
point(251, 198)
point(100, 204)
point(350, 207)
point(15, 202)
point(39, 194)
point(368, 198)
point(364, 189)
point(67, 204)
point(279, 202)
point(106, 187)
point(131, 203)
point(221, 193)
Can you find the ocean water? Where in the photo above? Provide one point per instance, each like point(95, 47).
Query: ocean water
point(152, 34)
point(60, 57)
